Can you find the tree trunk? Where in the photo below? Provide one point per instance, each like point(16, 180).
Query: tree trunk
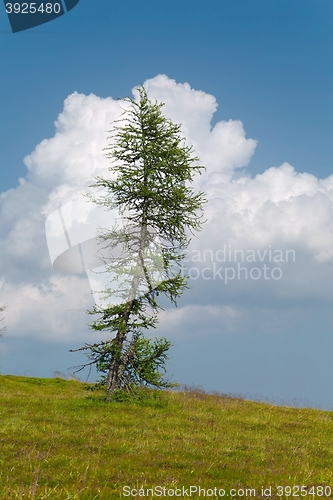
point(115, 377)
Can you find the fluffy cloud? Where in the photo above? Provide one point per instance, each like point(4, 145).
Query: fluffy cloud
point(278, 205)
point(279, 209)
point(50, 309)
point(223, 148)
point(67, 163)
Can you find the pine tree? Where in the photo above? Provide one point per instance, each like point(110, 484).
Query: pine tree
point(151, 189)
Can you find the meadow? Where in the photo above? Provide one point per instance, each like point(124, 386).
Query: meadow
point(61, 441)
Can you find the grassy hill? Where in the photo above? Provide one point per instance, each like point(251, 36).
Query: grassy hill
point(59, 440)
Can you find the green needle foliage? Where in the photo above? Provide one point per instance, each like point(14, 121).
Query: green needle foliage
point(150, 187)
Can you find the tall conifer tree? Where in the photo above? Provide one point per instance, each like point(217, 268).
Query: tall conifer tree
point(153, 170)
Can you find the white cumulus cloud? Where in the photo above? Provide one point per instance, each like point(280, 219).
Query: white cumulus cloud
point(278, 209)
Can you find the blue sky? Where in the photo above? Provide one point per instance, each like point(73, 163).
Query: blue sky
point(268, 63)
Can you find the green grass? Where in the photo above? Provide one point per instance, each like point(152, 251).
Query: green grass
point(59, 440)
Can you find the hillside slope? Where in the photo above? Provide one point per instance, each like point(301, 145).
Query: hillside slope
point(59, 440)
